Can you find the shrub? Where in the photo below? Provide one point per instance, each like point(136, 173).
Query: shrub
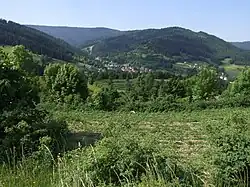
point(233, 150)
point(64, 83)
point(205, 84)
point(242, 84)
point(22, 129)
point(160, 104)
point(164, 104)
point(118, 161)
point(106, 99)
point(22, 125)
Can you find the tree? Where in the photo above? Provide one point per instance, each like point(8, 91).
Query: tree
point(110, 83)
point(139, 91)
point(175, 86)
point(22, 59)
point(91, 78)
point(107, 99)
point(38, 42)
point(15, 86)
point(128, 84)
point(149, 82)
point(22, 125)
point(205, 84)
point(65, 82)
point(242, 84)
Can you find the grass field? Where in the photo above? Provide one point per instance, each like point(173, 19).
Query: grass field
point(119, 84)
point(233, 70)
point(234, 67)
point(184, 135)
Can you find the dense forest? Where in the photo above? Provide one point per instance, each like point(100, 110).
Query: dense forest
point(12, 33)
point(242, 45)
point(152, 48)
point(77, 36)
point(169, 45)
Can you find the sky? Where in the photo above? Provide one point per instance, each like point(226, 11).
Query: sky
point(228, 19)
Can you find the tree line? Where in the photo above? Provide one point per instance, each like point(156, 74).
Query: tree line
point(12, 34)
point(167, 46)
point(25, 124)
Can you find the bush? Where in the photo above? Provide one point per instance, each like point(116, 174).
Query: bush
point(242, 84)
point(233, 150)
point(164, 104)
point(22, 125)
point(205, 84)
point(125, 160)
point(64, 83)
point(117, 162)
point(219, 103)
point(106, 99)
point(22, 130)
point(160, 104)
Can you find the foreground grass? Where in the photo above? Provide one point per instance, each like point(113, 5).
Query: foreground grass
point(183, 134)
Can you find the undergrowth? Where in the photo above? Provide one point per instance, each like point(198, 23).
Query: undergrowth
point(207, 148)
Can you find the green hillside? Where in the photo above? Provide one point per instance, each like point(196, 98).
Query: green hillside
point(163, 47)
point(36, 57)
point(75, 35)
point(12, 33)
point(242, 45)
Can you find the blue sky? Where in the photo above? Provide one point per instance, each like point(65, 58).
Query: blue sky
point(228, 19)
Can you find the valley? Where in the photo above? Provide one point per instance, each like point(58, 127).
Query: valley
point(100, 107)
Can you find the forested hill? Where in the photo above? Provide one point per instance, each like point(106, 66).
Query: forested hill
point(243, 45)
point(12, 33)
point(77, 36)
point(173, 44)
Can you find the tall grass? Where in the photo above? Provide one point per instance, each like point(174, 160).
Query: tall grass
point(187, 136)
point(64, 173)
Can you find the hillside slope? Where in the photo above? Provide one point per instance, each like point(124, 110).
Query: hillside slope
point(169, 45)
point(243, 45)
point(75, 35)
point(12, 33)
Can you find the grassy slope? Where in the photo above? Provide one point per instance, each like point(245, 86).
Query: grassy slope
point(232, 70)
point(174, 43)
point(186, 133)
point(35, 40)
